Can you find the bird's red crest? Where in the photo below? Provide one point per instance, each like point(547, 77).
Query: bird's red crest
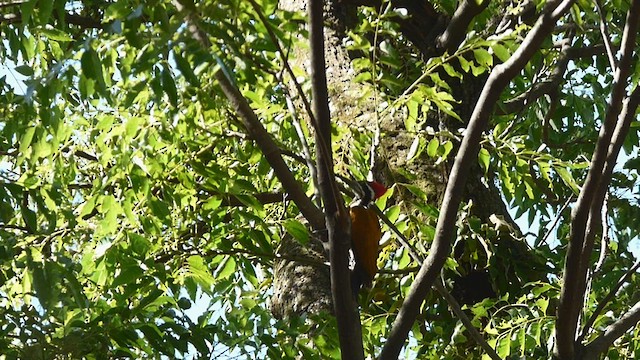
point(378, 189)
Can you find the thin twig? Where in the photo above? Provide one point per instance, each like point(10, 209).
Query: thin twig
point(606, 37)
point(604, 239)
point(603, 303)
point(442, 290)
point(15, 227)
point(555, 221)
point(308, 157)
point(285, 61)
point(611, 333)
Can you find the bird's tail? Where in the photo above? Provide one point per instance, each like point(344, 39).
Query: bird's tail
point(359, 278)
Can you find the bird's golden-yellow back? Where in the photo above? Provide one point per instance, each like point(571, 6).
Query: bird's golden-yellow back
point(365, 235)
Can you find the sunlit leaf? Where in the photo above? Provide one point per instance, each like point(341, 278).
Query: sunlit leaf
point(296, 229)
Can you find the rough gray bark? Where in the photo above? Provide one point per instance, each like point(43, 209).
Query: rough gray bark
point(310, 290)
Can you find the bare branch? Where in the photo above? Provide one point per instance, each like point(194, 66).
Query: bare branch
point(593, 350)
point(467, 154)
point(263, 198)
point(604, 238)
point(258, 133)
point(555, 221)
point(11, 3)
point(541, 88)
point(442, 290)
point(603, 303)
point(15, 227)
point(586, 51)
point(285, 62)
point(605, 36)
point(308, 157)
point(85, 155)
point(84, 22)
point(12, 152)
point(456, 30)
point(585, 220)
point(163, 257)
point(336, 216)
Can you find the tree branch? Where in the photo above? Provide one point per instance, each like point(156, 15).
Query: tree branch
point(306, 150)
point(337, 219)
point(73, 19)
point(467, 154)
point(421, 26)
point(15, 227)
point(258, 133)
point(604, 238)
point(555, 222)
point(593, 350)
point(442, 290)
point(546, 86)
point(605, 36)
point(166, 256)
point(307, 105)
point(456, 30)
point(603, 303)
point(585, 220)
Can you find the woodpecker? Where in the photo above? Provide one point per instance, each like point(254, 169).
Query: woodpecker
point(365, 235)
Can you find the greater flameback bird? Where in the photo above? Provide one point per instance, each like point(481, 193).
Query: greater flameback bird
point(365, 235)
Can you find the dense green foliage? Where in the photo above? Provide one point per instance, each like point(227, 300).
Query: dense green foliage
point(132, 219)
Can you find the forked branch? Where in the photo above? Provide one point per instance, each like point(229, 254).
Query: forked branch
point(467, 154)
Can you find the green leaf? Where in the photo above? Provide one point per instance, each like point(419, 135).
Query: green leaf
point(392, 213)
point(25, 141)
point(432, 148)
point(139, 244)
point(484, 158)
point(45, 8)
point(25, 70)
point(296, 229)
point(153, 297)
point(128, 275)
point(416, 148)
point(26, 11)
point(226, 268)
point(199, 271)
point(504, 346)
point(44, 281)
point(186, 70)
point(501, 52)
point(160, 209)
point(483, 57)
point(55, 34)
point(416, 191)
point(87, 207)
point(212, 203)
point(30, 219)
point(568, 179)
point(110, 208)
point(90, 64)
point(412, 107)
point(464, 64)
point(169, 86)
point(451, 71)
point(117, 10)
point(535, 332)
point(447, 147)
